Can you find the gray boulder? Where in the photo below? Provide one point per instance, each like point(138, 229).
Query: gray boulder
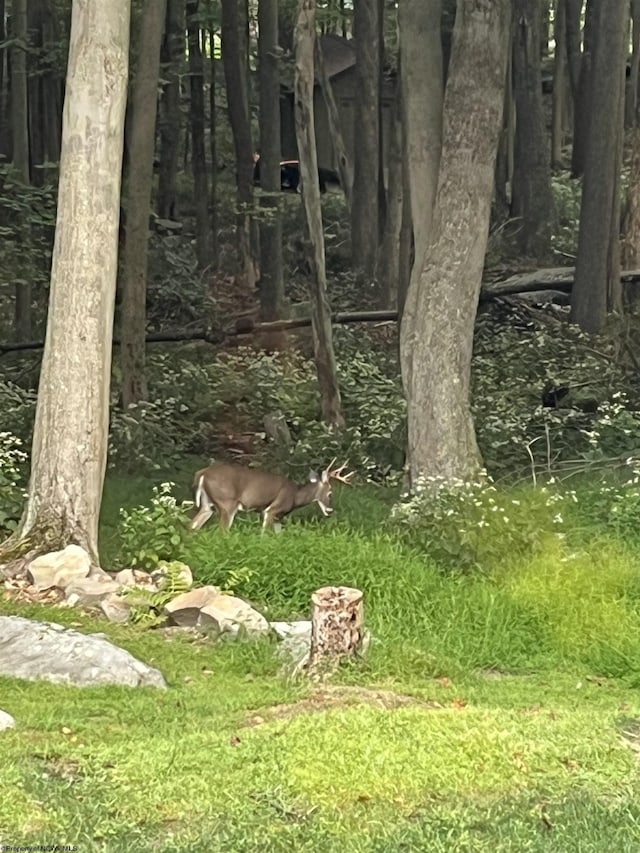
point(6, 721)
point(50, 652)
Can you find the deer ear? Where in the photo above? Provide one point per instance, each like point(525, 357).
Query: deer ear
point(325, 476)
point(313, 477)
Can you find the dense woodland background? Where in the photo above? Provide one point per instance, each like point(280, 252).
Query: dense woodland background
point(477, 189)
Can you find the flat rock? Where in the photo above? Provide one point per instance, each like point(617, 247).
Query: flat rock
point(208, 608)
point(6, 721)
point(184, 610)
point(59, 568)
point(300, 628)
point(88, 591)
point(50, 652)
point(232, 615)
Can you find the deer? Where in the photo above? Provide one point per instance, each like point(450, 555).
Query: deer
point(230, 488)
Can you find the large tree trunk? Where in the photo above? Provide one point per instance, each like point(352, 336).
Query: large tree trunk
point(437, 326)
point(364, 198)
point(139, 185)
point(421, 80)
point(198, 155)
point(532, 200)
point(20, 133)
point(235, 61)
point(594, 290)
point(304, 38)
point(69, 452)
point(271, 271)
point(170, 118)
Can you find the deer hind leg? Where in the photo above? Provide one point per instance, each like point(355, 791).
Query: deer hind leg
point(205, 507)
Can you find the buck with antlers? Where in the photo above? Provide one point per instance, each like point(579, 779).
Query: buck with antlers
point(229, 488)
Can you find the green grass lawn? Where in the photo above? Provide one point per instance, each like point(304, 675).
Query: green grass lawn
point(495, 711)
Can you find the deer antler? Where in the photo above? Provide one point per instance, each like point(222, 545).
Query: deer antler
point(337, 473)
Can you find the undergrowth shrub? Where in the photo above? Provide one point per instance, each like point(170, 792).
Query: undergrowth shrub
point(18, 406)
point(150, 535)
point(463, 525)
point(596, 419)
point(12, 477)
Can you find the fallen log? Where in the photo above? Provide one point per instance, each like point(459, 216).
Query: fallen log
point(554, 278)
point(542, 282)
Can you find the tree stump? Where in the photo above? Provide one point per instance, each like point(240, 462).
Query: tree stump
point(337, 627)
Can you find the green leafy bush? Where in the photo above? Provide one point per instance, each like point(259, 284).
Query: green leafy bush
point(463, 525)
point(18, 406)
point(149, 535)
point(147, 607)
point(12, 493)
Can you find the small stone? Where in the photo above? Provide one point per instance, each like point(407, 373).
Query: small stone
point(115, 609)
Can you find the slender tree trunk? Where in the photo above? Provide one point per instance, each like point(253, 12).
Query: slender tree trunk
point(170, 119)
point(365, 194)
point(406, 252)
point(506, 147)
point(532, 199)
point(53, 84)
point(593, 286)
point(304, 37)
point(421, 82)
point(213, 149)
point(582, 105)
point(69, 452)
point(345, 169)
point(631, 223)
point(198, 155)
point(140, 183)
point(388, 272)
point(560, 84)
point(20, 133)
point(631, 104)
point(271, 271)
point(437, 325)
point(235, 61)
point(573, 14)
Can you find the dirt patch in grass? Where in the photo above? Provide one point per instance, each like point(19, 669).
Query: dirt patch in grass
point(341, 696)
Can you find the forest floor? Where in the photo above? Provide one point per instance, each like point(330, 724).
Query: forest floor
point(476, 723)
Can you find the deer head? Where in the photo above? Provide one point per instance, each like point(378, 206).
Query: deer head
point(322, 494)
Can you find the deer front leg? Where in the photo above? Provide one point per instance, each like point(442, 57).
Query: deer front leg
point(269, 519)
point(226, 517)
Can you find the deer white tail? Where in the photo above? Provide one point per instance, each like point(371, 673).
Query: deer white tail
point(200, 493)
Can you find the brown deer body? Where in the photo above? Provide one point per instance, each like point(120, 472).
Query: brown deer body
point(231, 488)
